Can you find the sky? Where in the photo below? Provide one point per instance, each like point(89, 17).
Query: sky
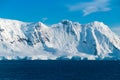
point(53, 11)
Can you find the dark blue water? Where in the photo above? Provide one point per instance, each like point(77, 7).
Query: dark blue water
point(59, 70)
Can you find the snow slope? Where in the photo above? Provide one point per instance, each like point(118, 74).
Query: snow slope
point(65, 40)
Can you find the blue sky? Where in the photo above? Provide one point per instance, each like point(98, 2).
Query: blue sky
point(53, 11)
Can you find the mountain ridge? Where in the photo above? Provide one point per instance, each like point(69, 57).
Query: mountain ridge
point(65, 40)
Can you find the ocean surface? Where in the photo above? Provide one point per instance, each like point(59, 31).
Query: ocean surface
point(59, 70)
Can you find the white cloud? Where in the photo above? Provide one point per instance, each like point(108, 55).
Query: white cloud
point(44, 19)
point(116, 30)
point(90, 7)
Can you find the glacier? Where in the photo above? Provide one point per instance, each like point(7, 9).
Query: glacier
point(66, 40)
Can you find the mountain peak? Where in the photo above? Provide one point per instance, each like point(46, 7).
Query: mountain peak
point(92, 41)
point(9, 20)
point(96, 23)
point(41, 25)
point(66, 22)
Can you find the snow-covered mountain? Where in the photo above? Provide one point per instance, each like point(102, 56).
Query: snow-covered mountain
point(65, 40)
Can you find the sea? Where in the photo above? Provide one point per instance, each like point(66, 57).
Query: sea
point(59, 70)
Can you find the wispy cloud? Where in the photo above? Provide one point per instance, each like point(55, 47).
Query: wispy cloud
point(116, 30)
point(44, 19)
point(90, 7)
